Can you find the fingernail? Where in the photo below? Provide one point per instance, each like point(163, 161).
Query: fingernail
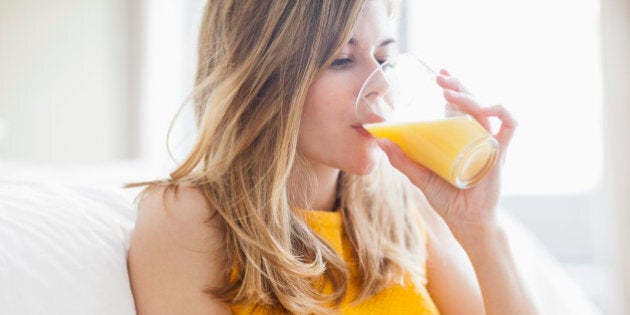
point(381, 142)
point(441, 77)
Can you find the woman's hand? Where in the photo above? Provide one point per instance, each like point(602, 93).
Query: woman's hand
point(471, 213)
point(463, 210)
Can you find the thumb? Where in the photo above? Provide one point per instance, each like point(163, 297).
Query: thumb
point(417, 173)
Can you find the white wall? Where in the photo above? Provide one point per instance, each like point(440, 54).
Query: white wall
point(63, 81)
point(168, 69)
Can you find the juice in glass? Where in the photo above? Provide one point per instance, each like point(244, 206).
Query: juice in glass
point(458, 149)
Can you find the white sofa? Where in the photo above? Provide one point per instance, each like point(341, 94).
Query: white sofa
point(64, 235)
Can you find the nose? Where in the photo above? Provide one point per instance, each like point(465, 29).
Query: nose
point(374, 103)
point(377, 83)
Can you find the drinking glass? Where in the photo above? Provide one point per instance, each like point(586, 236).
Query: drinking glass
point(401, 101)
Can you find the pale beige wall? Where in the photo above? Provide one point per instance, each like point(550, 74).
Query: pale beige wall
point(616, 66)
point(64, 90)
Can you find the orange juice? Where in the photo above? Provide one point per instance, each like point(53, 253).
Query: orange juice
point(458, 149)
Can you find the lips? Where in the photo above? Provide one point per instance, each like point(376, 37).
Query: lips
point(362, 131)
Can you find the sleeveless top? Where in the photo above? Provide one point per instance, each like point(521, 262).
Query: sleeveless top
point(396, 299)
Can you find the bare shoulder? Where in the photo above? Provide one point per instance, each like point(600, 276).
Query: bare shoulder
point(185, 204)
point(178, 217)
point(176, 253)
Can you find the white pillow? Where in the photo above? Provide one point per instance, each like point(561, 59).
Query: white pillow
point(63, 249)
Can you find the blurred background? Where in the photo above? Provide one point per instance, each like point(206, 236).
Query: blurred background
point(97, 83)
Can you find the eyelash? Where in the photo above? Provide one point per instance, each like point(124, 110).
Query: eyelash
point(344, 62)
point(341, 63)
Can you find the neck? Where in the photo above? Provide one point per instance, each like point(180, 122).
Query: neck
point(324, 194)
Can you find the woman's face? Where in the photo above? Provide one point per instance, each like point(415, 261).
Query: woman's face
point(329, 134)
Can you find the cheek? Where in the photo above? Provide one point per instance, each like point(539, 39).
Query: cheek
point(324, 117)
point(331, 98)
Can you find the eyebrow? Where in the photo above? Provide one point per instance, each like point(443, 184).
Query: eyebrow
point(354, 42)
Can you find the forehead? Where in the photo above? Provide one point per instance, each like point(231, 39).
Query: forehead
point(373, 25)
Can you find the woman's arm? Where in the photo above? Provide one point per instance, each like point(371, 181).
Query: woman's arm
point(455, 283)
point(175, 254)
point(503, 289)
point(451, 277)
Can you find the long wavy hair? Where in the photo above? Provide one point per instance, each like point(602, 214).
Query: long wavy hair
point(257, 60)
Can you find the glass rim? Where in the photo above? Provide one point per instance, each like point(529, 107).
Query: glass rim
point(402, 56)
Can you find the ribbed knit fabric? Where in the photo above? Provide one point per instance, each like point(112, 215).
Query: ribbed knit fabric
point(397, 299)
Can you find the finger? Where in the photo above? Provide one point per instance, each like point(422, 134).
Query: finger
point(417, 174)
point(466, 103)
point(451, 111)
point(449, 82)
point(508, 125)
point(444, 72)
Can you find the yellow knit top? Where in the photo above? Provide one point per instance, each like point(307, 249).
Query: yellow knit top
point(397, 299)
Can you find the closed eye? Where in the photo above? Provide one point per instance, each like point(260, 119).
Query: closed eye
point(387, 63)
point(341, 63)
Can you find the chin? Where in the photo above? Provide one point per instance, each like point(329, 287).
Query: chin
point(364, 166)
point(364, 171)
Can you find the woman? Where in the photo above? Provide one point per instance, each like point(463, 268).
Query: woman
point(285, 205)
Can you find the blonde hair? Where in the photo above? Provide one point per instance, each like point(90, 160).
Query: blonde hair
point(257, 60)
